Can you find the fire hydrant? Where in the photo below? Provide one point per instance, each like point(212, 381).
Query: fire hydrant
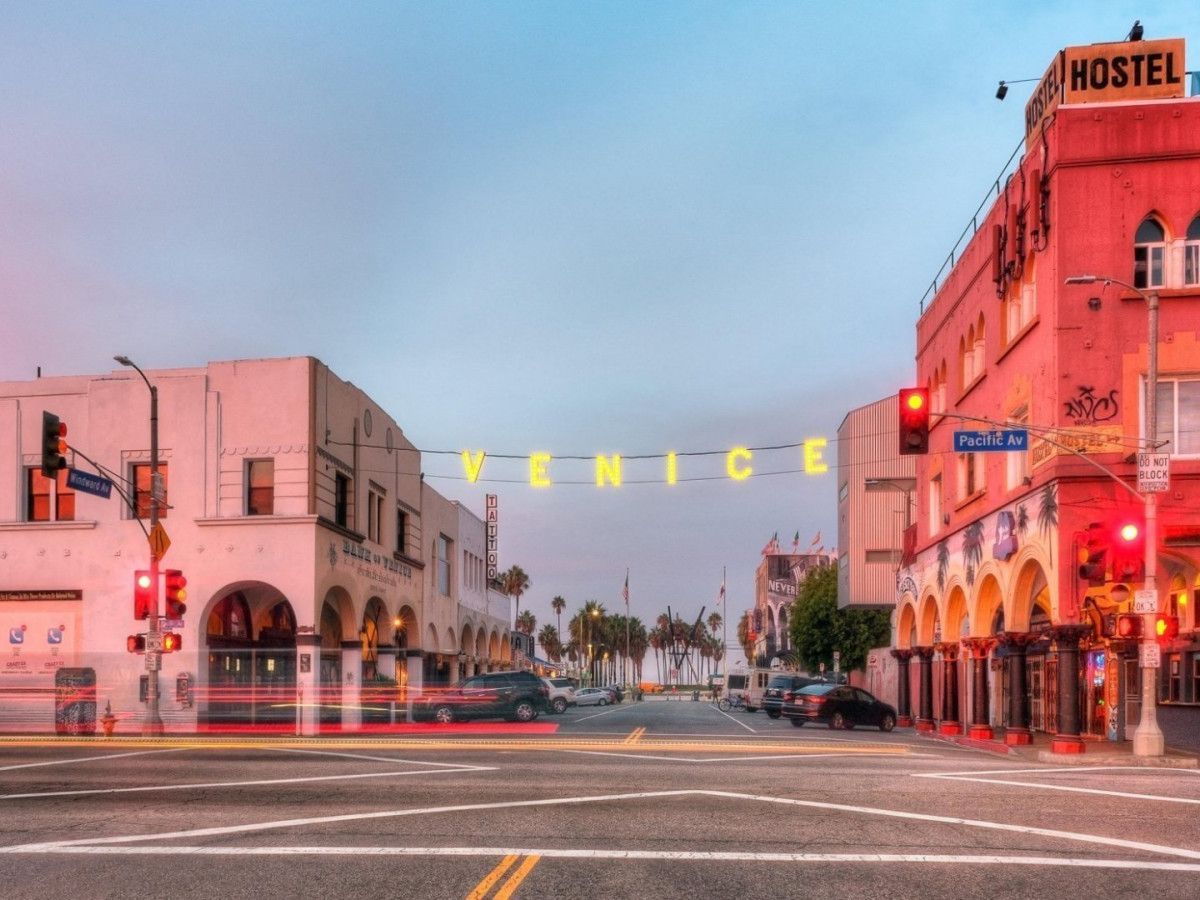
point(108, 721)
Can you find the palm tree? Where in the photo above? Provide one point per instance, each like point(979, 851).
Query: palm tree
point(655, 639)
point(743, 636)
point(526, 622)
point(515, 583)
point(548, 638)
point(558, 604)
point(714, 622)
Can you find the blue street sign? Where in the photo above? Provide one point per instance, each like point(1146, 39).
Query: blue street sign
point(991, 441)
point(89, 484)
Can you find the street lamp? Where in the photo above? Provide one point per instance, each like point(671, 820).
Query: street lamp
point(1147, 737)
point(152, 723)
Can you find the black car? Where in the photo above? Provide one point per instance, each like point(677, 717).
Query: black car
point(516, 696)
point(781, 689)
point(839, 706)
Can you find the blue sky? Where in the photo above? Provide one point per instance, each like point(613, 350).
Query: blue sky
point(573, 227)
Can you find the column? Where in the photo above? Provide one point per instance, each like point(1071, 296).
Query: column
point(978, 648)
point(386, 664)
point(1018, 692)
point(308, 681)
point(903, 704)
point(415, 681)
point(949, 723)
point(351, 682)
point(925, 695)
point(1066, 639)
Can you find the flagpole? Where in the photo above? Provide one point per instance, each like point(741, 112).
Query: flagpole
point(628, 661)
point(724, 629)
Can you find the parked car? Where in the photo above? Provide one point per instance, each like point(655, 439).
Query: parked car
point(516, 696)
point(782, 688)
point(562, 694)
point(839, 706)
point(593, 696)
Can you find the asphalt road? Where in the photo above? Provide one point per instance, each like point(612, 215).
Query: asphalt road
point(655, 800)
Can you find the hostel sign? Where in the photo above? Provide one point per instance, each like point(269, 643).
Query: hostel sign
point(1107, 73)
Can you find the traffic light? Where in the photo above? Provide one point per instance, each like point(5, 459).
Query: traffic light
point(54, 444)
point(1129, 626)
point(144, 604)
point(1129, 552)
point(1166, 628)
point(1093, 556)
point(136, 643)
point(914, 421)
point(174, 584)
point(171, 642)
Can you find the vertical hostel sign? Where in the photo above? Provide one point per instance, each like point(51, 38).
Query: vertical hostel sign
point(491, 519)
point(1107, 73)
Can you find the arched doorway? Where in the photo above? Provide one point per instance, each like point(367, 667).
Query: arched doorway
point(331, 666)
point(250, 638)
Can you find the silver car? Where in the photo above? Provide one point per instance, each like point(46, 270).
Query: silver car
point(593, 697)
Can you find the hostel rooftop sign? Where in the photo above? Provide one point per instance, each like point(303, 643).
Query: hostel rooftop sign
point(1107, 73)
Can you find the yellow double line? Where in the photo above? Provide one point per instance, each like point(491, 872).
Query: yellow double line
point(511, 884)
point(635, 736)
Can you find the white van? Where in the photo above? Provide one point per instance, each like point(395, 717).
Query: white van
point(748, 684)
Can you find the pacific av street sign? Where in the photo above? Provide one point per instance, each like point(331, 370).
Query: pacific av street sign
point(996, 441)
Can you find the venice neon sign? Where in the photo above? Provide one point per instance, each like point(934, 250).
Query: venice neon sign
point(738, 465)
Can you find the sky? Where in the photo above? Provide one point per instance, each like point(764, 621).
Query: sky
point(569, 227)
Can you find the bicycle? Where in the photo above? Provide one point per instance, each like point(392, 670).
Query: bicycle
point(725, 704)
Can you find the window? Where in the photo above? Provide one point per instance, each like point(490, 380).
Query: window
point(401, 524)
point(1017, 463)
point(442, 547)
point(341, 500)
point(1149, 247)
point(1191, 253)
point(1173, 664)
point(140, 476)
point(1196, 678)
point(48, 499)
point(1179, 415)
point(970, 474)
point(260, 487)
point(935, 503)
point(375, 516)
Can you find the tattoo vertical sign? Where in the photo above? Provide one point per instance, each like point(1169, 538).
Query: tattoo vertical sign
point(492, 519)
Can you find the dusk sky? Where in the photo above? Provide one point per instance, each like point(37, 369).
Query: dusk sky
point(566, 227)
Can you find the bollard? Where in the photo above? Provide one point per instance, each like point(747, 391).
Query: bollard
point(695, 696)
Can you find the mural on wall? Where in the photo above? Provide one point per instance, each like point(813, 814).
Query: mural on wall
point(1048, 513)
point(972, 550)
point(1088, 409)
point(943, 563)
point(1004, 544)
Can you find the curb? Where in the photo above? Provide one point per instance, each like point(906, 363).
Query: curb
point(1114, 759)
point(973, 743)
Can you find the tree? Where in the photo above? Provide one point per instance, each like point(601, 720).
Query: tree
point(526, 622)
point(744, 632)
point(548, 638)
point(558, 604)
point(818, 627)
point(515, 583)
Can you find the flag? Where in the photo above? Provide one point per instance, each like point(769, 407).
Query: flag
point(721, 594)
point(816, 540)
point(625, 593)
point(796, 542)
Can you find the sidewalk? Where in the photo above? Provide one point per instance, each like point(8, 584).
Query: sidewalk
point(1096, 752)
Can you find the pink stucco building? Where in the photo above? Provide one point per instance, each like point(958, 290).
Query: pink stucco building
point(325, 578)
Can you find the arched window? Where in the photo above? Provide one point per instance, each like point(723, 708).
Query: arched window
point(1191, 253)
point(964, 365)
point(979, 346)
point(1149, 248)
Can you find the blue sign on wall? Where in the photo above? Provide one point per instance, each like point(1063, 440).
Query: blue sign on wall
point(89, 484)
point(991, 441)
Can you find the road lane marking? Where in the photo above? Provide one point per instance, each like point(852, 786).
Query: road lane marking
point(492, 877)
point(1099, 840)
point(84, 759)
point(227, 784)
point(616, 708)
point(635, 735)
point(1128, 795)
point(710, 759)
point(655, 855)
point(732, 719)
point(514, 880)
point(387, 759)
point(1067, 770)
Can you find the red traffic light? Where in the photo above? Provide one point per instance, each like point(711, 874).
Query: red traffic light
point(145, 601)
point(1129, 554)
point(1129, 532)
point(1129, 626)
point(1166, 628)
point(1093, 555)
point(174, 584)
point(136, 643)
point(914, 421)
point(171, 642)
point(53, 444)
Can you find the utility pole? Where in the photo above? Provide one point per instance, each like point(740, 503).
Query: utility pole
point(152, 723)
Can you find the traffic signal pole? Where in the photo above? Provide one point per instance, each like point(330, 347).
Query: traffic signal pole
point(152, 723)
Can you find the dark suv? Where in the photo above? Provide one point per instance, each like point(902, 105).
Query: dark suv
point(782, 688)
point(516, 696)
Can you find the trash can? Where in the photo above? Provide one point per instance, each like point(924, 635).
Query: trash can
point(75, 701)
point(695, 696)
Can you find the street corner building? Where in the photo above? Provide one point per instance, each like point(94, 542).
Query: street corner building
point(326, 582)
point(1022, 561)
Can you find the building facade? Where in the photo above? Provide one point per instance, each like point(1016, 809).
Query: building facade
point(1006, 614)
point(777, 580)
point(323, 576)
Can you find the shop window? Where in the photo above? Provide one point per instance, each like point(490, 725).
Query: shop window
point(401, 525)
point(1178, 410)
point(48, 499)
point(1196, 677)
point(1149, 248)
point(1191, 253)
point(1173, 663)
point(341, 500)
point(260, 487)
point(442, 547)
point(140, 478)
